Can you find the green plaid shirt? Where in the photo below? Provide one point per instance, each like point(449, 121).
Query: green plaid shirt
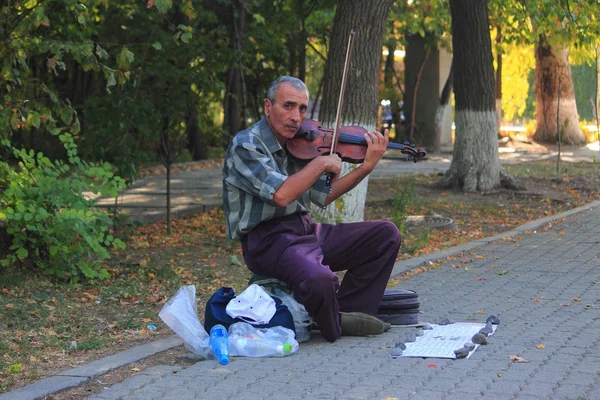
point(255, 167)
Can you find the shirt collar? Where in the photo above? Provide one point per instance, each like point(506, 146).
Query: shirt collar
point(268, 137)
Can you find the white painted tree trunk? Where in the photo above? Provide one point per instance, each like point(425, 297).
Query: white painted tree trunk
point(348, 208)
point(475, 162)
point(368, 20)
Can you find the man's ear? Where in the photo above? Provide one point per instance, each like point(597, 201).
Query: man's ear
point(268, 107)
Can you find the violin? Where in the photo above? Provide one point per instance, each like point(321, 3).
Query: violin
point(313, 140)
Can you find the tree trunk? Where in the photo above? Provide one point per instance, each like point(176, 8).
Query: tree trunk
point(360, 100)
point(234, 118)
point(499, 77)
point(167, 158)
point(475, 163)
point(440, 113)
point(552, 62)
point(196, 144)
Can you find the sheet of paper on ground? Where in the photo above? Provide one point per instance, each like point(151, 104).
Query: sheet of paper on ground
point(442, 340)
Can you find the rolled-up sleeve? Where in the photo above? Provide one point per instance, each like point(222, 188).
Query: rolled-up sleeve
point(256, 171)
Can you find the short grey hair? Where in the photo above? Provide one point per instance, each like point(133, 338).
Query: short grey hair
point(295, 82)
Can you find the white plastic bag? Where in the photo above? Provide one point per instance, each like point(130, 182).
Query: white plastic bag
point(181, 315)
point(302, 320)
point(245, 340)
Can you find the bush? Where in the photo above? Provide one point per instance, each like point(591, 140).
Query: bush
point(51, 225)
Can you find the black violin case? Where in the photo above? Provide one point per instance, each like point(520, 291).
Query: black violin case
point(399, 307)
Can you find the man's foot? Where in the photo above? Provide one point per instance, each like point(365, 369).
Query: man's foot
point(361, 324)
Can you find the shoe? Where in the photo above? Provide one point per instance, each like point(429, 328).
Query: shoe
point(361, 324)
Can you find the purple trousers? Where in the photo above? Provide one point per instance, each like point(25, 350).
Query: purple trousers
point(305, 254)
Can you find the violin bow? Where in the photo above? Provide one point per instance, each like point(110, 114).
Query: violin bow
point(338, 114)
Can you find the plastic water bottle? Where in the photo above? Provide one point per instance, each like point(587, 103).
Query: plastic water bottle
point(219, 343)
point(257, 347)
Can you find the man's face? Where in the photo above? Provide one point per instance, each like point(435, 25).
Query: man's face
point(286, 115)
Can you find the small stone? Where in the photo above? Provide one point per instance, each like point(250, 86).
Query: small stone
point(399, 345)
point(493, 319)
point(479, 338)
point(469, 345)
point(419, 332)
point(427, 327)
point(487, 330)
point(396, 352)
point(461, 353)
point(411, 337)
point(445, 321)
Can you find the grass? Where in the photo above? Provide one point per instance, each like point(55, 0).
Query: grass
point(41, 318)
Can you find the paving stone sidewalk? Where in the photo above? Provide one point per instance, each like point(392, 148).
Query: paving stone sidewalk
point(200, 191)
point(543, 285)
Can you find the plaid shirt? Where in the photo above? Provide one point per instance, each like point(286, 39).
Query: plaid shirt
point(255, 167)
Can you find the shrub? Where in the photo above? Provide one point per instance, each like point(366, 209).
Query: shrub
point(51, 225)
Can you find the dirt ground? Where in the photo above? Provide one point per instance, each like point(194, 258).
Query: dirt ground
point(198, 253)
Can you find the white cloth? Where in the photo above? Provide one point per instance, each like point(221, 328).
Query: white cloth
point(253, 305)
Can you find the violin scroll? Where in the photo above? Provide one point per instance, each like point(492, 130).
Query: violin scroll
point(412, 153)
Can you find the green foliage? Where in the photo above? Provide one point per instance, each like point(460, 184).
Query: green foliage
point(417, 243)
point(429, 19)
point(523, 21)
point(584, 84)
point(51, 224)
point(399, 209)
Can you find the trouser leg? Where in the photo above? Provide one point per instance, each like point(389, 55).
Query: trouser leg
point(368, 251)
point(285, 249)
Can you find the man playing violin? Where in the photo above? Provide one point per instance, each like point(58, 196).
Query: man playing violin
point(266, 197)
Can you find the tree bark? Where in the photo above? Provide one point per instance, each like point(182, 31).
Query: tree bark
point(196, 144)
point(234, 109)
point(361, 95)
point(499, 77)
point(552, 62)
point(440, 113)
point(475, 163)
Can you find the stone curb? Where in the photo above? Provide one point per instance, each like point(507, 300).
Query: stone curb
point(77, 376)
point(407, 265)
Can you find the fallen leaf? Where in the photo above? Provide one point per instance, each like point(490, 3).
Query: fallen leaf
point(536, 300)
point(135, 369)
point(9, 306)
point(89, 296)
point(565, 304)
point(499, 374)
point(541, 346)
point(480, 311)
point(578, 299)
point(517, 359)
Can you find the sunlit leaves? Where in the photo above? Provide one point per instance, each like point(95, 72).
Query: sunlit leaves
point(523, 21)
point(163, 5)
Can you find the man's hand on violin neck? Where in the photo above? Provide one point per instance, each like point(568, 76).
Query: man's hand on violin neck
point(376, 145)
